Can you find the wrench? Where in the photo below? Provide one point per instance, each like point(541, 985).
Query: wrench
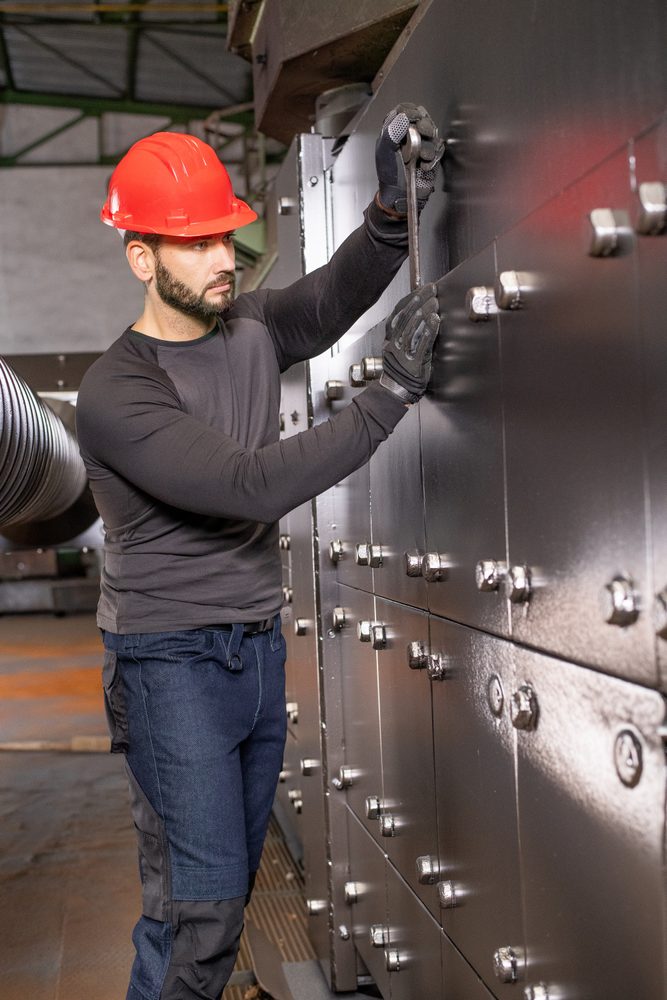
point(410, 152)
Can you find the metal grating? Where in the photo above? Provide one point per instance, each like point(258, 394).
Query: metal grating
point(277, 907)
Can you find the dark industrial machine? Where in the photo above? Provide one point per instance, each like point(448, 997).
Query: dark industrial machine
point(477, 621)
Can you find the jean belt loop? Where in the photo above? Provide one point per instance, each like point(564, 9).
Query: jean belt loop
point(275, 632)
point(234, 661)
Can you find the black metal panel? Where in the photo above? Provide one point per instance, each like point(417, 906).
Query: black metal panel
point(368, 874)
point(531, 94)
point(407, 748)
point(650, 154)
point(462, 442)
point(591, 784)
point(414, 944)
point(397, 504)
point(351, 497)
point(573, 405)
point(480, 885)
point(360, 706)
point(459, 980)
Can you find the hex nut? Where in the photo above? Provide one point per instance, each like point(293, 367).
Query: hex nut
point(620, 604)
point(447, 895)
point(523, 708)
point(505, 965)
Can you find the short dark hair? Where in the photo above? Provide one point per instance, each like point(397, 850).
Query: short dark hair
point(151, 240)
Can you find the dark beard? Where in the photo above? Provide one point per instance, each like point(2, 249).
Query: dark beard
point(176, 294)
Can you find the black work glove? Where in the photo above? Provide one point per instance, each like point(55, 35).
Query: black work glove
point(411, 331)
point(392, 191)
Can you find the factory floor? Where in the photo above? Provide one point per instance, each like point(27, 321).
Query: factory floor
point(68, 884)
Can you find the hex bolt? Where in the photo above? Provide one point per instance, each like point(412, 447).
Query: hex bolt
point(292, 709)
point(387, 825)
point(375, 557)
point(628, 758)
point(447, 895)
point(392, 960)
point(379, 636)
point(351, 892)
point(620, 603)
point(428, 870)
point(284, 542)
point(437, 666)
point(344, 779)
point(362, 553)
point(338, 618)
point(507, 290)
point(379, 935)
point(357, 375)
point(518, 584)
point(315, 906)
point(413, 564)
point(297, 805)
point(309, 765)
point(287, 595)
point(373, 807)
point(609, 231)
point(334, 389)
point(293, 794)
point(371, 368)
point(523, 708)
point(418, 653)
point(300, 626)
point(489, 573)
point(537, 992)
point(495, 695)
point(480, 303)
point(505, 965)
point(336, 550)
point(282, 777)
point(653, 208)
point(343, 933)
point(287, 206)
point(661, 614)
point(434, 567)
point(364, 631)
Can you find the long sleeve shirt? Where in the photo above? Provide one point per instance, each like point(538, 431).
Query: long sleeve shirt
point(181, 444)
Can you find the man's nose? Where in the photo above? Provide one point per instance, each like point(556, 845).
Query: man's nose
point(224, 256)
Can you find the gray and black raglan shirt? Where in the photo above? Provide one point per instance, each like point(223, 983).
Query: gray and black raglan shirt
point(181, 444)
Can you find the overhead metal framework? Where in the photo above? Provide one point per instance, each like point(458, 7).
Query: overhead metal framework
point(166, 60)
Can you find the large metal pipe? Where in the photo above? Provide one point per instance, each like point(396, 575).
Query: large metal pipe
point(41, 472)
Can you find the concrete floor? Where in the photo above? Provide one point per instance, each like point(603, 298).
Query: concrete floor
point(68, 871)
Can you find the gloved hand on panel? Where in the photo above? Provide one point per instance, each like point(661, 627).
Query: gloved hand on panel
point(411, 331)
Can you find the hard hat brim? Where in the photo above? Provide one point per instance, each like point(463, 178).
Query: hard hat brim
point(243, 215)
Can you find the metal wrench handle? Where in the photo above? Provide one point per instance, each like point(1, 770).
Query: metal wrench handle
point(410, 152)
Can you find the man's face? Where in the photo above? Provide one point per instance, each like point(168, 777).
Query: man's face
point(196, 276)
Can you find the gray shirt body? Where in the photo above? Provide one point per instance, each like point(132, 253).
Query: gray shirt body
point(181, 444)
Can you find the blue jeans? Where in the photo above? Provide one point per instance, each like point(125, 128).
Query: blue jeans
point(200, 717)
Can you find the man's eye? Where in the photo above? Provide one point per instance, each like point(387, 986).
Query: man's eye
point(201, 245)
point(228, 237)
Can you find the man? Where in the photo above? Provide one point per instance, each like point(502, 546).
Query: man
point(178, 425)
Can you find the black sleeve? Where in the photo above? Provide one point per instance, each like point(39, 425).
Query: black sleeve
point(309, 316)
point(142, 434)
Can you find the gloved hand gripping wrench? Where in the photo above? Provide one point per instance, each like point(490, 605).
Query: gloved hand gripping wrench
point(410, 151)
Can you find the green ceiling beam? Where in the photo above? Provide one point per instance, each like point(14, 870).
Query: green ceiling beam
point(179, 113)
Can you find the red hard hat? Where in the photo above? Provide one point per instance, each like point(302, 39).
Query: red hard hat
point(174, 185)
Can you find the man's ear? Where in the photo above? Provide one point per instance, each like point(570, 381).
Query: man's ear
point(141, 259)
